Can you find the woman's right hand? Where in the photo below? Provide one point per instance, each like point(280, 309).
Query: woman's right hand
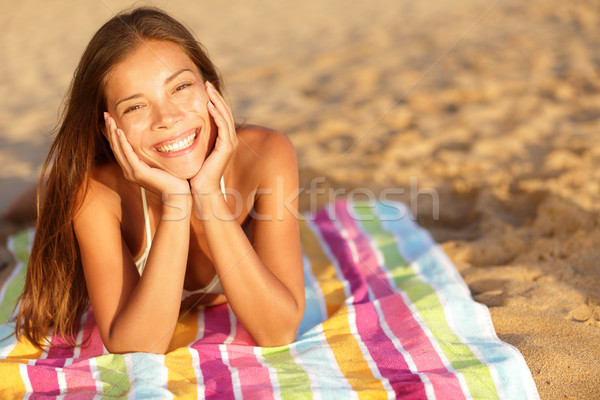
point(136, 170)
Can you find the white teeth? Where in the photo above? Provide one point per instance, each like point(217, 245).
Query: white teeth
point(178, 146)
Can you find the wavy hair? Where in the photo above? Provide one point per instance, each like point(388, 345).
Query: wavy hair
point(55, 293)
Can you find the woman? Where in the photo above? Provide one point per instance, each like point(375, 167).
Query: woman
point(148, 189)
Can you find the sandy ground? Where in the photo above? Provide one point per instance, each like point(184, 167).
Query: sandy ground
point(486, 112)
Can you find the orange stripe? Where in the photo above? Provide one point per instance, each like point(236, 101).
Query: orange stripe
point(24, 349)
point(12, 383)
point(323, 271)
point(182, 377)
point(349, 357)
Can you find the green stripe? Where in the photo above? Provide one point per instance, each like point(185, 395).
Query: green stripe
point(14, 288)
point(113, 374)
point(293, 380)
point(424, 298)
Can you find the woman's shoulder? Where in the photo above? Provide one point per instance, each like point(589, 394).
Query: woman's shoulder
point(264, 143)
point(103, 192)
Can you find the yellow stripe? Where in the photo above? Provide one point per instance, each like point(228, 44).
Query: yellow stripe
point(12, 383)
point(349, 357)
point(24, 349)
point(323, 271)
point(182, 377)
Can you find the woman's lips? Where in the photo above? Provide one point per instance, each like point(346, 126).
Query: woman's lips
point(178, 146)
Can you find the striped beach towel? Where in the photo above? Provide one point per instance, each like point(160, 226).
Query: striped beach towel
point(387, 316)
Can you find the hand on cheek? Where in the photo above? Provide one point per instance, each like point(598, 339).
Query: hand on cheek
point(136, 170)
point(226, 141)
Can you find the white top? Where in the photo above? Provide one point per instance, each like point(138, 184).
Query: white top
point(215, 284)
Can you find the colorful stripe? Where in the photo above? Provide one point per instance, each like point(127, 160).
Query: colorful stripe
point(387, 316)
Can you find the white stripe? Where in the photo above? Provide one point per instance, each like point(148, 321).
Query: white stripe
point(7, 349)
point(272, 373)
point(26, 382)
point(332, 259)
point(235, 375)
point(96, 377)
point(196, 357)
point(62, 380)
point(197, 372)
point(129, 369)
point(366, 355)
point(405, 354)
point(79, 339)
point(16, 270)
point(165, 378)
point(314, 283)
point(333, 363)
point(349, 298)
point(314, 387)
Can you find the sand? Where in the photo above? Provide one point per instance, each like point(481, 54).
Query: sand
point(482, 115)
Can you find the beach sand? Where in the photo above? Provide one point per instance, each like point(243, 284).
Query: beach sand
point(482, 115)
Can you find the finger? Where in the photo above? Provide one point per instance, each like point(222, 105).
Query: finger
point(220, 104)
point(117, 147)
point(223, 129)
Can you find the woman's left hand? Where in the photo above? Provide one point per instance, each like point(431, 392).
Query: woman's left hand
point(208, 178)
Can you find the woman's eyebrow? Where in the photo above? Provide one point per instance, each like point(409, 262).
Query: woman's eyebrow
point(169, 79)
point(173, 76)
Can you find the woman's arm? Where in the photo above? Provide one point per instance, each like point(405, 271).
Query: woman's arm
point(263, 280)
point(133, 313)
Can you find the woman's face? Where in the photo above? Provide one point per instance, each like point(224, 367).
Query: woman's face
point(158, 98)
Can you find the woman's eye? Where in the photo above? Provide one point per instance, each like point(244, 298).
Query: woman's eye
point(132, 108)
point(182, 86)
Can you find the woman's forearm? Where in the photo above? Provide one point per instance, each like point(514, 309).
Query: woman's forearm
point(259, 299)
point(147, 321)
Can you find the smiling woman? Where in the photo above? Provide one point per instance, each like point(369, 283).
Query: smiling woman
point(139, 187)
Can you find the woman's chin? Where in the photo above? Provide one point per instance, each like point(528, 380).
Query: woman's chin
point(186, 173)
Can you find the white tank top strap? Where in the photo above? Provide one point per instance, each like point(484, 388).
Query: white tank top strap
point(223, 186)
point(140, 263)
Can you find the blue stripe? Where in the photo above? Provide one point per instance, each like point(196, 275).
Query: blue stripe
point(146, 375)
point(472, 320)
point(313, 314)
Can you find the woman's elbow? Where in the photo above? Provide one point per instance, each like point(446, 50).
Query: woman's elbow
point(281, 334)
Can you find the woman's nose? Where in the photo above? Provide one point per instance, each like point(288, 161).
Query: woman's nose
point(166, 114)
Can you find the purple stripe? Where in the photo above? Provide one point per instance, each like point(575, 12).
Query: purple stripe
point(339, 250)
point(216, 374)
point(390, 364)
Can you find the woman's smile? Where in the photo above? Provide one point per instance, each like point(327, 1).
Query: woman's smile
point(182, 144)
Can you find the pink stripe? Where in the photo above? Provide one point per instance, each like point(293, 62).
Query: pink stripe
point(414, 341)
point(405, 384)
point(254, 378)
point(43, 379)
point(216, 374)
point(79, 380)
point(398, 316)
point(92, 342)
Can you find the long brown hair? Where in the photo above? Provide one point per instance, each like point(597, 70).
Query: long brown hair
point(55, 294)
